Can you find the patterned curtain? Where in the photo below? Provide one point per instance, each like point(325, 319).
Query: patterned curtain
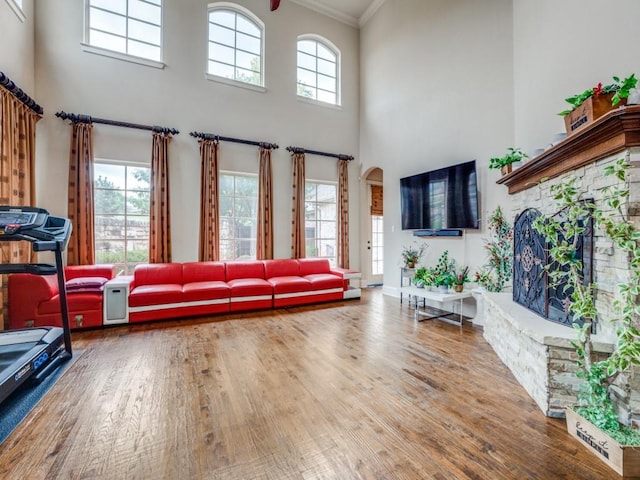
point(343, 213)
point(160, 218)
point(17, 177)
point(80, 250)
point(264, 247)
point(298, 220)
point(209, 242)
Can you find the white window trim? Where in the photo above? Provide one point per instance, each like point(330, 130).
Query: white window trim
point(17, 9)
point(86, 47)
point(252, 16)
point(331, 46)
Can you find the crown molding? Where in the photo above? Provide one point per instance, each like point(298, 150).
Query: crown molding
point(370, 12)
point(329, 12)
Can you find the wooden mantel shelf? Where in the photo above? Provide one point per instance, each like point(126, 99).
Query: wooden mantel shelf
point(612, 133)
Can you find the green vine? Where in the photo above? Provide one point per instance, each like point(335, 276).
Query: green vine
point(496, 271)
point(562, 235)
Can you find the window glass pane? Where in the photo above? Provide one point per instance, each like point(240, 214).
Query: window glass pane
point(249, 44)
point(326, 193)
point(306, 61)
point(223, 17)
point(107, 21)
point(143, 31)
point(306, 77)
point(145, 11)
point(221, 53)
point(307, 46)
point(310, 190)
point(226, 206)
point(105, 40)
point(327, 83)
point(221, 70)
point(117, 6)
point(144, 50)
point(324, 52)
point(328, 229)
point(327, 97)
point(222, 35)
point(138, 203)
point(247, 76)
point(248, 61)
point(247, 26)
point(326, 68)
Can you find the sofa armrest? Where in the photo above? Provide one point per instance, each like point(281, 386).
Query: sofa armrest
point(27, 291)
point(345, 273)
point(83, 271)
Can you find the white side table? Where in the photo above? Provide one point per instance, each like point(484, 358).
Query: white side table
point(116, 300)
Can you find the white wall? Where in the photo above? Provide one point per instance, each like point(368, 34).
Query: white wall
point(561, 48)
point(436, 90)
point(17, 46)
point(179, 96)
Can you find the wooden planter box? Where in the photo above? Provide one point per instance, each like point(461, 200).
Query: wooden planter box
point(588, 111)
point(624, 460)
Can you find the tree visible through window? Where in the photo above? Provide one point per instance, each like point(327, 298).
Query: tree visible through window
point(132, 27)
point(238, 216)
point(317, 71)
point(320, 220)
point(235, 46)
point(121, 203)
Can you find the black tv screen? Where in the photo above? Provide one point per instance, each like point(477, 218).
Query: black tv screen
point(441, 199)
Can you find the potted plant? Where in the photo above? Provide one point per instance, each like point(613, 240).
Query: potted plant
point(460, 278)
point(444, 281)
point(423, 277)
point(497, 270)
point(505, 162)
point(412, 254)
point(594, 420)
point(443, 272)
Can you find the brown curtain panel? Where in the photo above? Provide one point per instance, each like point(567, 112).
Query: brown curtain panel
point(17, 178)
point(81, 248)
point(343, 214)
point(160, 217)
point(298, 220)
point(209, 248)
point(264, 247)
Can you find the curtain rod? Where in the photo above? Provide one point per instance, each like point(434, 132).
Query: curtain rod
point(211, 136)
point(340, 156)
point(78, 118)
point(17, 92)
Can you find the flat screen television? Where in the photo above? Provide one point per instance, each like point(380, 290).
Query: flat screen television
point(446, 198)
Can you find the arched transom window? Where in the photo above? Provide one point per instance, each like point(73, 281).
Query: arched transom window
point(318, 70)
point(235, 44)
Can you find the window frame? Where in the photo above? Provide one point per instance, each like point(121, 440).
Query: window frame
point(338, 78)
point(18, 8)
point(254, 19)
point(126, 265)
point(235, 239)
point(333, 261)
point(127, 57)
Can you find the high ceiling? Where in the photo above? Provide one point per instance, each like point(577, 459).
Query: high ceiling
point(348, 11)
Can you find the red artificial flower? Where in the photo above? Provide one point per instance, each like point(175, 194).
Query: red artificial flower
point(597, 90)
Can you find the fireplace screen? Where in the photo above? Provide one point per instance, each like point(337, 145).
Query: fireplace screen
point(531, 286)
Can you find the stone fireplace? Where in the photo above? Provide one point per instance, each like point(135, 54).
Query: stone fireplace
point(538, 351)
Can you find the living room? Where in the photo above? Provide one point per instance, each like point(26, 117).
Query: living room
point(423, 84)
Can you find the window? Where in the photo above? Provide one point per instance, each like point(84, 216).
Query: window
point(129, 27)
point(320, 220)
point(377, 245)
point(121, 202)
point(235, 45)
point(238, 216)
point(317, 70)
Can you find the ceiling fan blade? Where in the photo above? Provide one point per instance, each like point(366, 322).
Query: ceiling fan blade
point(275, 4)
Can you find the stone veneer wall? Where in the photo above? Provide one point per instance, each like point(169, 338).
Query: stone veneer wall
point(538, 352)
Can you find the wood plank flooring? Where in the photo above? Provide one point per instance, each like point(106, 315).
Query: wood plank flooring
point(352, 390)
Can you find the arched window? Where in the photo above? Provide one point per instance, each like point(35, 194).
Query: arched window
point(318, 70)
point(235, 44)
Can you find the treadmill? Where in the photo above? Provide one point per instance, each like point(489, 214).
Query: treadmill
point(30, 354)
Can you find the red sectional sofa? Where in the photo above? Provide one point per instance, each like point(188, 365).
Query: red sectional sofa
point(174, 290)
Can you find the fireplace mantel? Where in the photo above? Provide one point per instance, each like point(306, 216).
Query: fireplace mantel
point(612, 133)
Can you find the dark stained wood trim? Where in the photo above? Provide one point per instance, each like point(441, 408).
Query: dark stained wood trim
point(608, 135)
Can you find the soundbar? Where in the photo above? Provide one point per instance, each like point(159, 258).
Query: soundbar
point(438, 233)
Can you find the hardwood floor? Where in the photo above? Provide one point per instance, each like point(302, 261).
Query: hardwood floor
point(353, 390)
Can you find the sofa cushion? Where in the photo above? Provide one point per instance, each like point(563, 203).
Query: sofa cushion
point(157, 294)
point(198, 291)
point(244, 269)
point(250, 287)
point(290, 284)
point(309, 266)
point(85, 285)
point(202, 272)
point(283, 267)
point(157, 273)
point(324, 281)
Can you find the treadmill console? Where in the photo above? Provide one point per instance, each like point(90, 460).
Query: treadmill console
point(34, 225)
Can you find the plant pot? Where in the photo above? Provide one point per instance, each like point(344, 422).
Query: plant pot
point(589, 110)
point(410, 264)
point(443, 288)
point(506, 169)
point(458, 288)
point(625, 460)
